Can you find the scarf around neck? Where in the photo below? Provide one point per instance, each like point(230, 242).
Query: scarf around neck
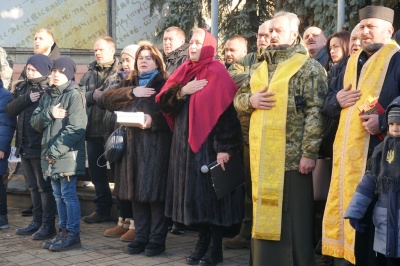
point(206, 105)
point(146, 77)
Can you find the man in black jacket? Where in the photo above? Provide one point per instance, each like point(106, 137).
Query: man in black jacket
point(175, 49)
point(92, 82)
point(175, 53)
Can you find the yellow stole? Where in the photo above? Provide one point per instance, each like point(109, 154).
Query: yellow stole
point(350, 151)
point(267, 148)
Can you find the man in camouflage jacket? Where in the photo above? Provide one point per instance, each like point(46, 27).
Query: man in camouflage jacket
point(306, 92)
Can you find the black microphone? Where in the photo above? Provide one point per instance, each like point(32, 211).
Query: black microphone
point(206, 168)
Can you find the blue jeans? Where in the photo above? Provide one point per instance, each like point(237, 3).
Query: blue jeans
point(103, 198)
point(69, 210)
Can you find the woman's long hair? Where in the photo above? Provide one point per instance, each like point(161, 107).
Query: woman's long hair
point(344, 37)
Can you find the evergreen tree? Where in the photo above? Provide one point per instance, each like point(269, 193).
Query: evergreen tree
point(247, 15)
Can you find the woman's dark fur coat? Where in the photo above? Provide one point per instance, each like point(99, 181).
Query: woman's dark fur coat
point(191, 198)
point(142, 173)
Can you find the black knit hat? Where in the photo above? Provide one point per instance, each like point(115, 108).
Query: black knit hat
point(65, 65)
point(41, 62)
point(394, 115)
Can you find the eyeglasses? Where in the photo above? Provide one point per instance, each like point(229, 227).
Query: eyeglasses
point(260, 36)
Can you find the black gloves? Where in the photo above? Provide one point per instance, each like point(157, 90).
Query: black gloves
point(355, 223)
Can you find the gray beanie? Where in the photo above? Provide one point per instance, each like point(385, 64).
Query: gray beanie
point(130, 50)
point(65, 65)
point(394, 115)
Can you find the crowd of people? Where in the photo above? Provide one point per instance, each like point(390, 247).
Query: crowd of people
point(315, 120)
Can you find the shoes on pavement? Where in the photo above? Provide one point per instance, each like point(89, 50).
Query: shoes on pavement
point(130, 235)
point(153, 249)
point(237, 242)
point(178, 228)
point(69, 241)
point(29, 229)
point(136, 247)
point(121, 228)
point(60, 235)
point(45, 232)
point(27, 212)
point(3, 221)
point(96, 218)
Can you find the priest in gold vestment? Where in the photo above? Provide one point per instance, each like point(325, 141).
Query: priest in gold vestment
point(284, 95)
point(371, 72)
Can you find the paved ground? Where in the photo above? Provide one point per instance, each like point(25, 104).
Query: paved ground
point(97, 249)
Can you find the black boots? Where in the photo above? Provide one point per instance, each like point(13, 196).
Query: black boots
point(201, 246)
point(29, 229)
point(214, 252)
point(45, 232)
point(3, 221)
point(59, 236)
point(69, 241)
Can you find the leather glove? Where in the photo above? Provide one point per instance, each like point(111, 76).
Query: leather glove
point(355, 223)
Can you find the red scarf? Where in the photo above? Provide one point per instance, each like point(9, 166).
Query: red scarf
point(206, 105)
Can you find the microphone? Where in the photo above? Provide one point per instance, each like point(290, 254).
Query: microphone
point(206, 168)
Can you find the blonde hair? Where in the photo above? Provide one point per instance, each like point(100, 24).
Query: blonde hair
point(109, 40)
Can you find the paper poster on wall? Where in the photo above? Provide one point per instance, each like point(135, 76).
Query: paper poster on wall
point(134, 23)
point(75, 24)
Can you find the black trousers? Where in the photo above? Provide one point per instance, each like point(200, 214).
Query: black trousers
point(98, 175)
point(3, 197)
point(247, 224)
point(44, 205)
point(150, 221)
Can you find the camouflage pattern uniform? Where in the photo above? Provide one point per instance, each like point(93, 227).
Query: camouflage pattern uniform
point(304, 125)
point(239, 72)
point(5, 69)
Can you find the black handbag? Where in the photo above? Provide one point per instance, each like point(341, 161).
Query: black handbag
point(115, 145)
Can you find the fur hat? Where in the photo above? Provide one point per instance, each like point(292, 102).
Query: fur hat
point(65, 65)
point(130, 50)
point(380, 12)
point(41, 62)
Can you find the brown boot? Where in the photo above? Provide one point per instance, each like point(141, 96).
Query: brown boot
point(130, 235)
point(237, 242)
point(120, 229)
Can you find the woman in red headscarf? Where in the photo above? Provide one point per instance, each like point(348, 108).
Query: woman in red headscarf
point(197, 102)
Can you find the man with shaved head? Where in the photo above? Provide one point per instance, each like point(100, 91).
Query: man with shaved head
point(235, 49)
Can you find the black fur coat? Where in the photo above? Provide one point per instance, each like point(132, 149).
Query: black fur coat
point(142, 173)
point(191, 198)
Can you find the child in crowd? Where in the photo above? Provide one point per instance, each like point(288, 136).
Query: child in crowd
point(7, 127)
point(26, 96)
point(61, 116)
point(382, 182)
